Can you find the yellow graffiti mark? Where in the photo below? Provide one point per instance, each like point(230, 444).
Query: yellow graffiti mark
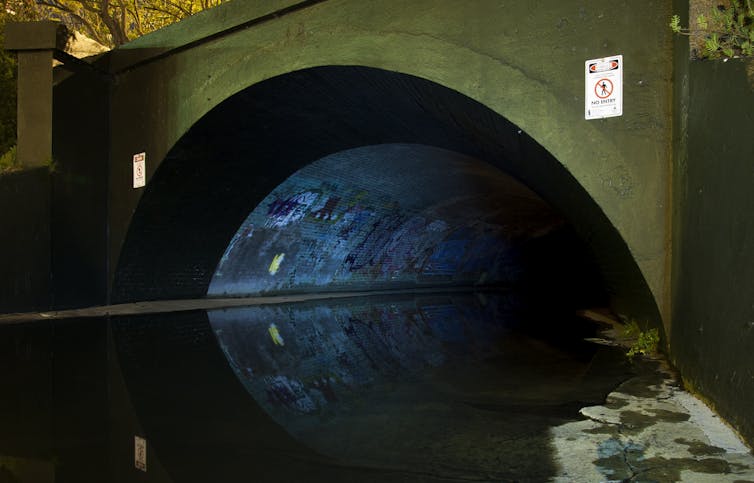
point(275, 265)
point(275, 335)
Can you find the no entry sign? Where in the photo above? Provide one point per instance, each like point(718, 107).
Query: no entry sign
point(140, 170)
point(603, 87)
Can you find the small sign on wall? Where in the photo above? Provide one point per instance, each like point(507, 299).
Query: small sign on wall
point(604, 87)
point(140, 170)
point(140, 453)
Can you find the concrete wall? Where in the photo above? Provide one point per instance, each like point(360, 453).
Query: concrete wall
point(25, 241)
point(713, 303)
point(53, 251)
point(524, 62)
point(79, 191)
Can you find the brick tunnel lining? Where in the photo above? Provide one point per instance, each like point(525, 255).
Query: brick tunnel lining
point(385, 217)
point(235, 156)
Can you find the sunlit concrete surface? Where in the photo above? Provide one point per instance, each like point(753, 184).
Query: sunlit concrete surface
point(651, 429)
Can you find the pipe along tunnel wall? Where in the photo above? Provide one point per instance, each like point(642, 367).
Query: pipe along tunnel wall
point(341, 178)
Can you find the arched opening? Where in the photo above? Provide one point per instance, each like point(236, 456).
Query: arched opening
point(342, 179)
point(239, 153)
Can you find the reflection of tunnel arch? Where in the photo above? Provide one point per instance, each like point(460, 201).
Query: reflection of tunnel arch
point(244, 148)
point(348, 385)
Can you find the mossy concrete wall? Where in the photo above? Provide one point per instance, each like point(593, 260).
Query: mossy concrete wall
point(523, 60)
point(713, 286)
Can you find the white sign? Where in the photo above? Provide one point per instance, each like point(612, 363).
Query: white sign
point(140, 453)
point(140, 170)
point(604, 87)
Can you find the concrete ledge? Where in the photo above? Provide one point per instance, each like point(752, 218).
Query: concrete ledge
point(42, 35)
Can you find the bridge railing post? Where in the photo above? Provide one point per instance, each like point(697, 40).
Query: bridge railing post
point(35, 44)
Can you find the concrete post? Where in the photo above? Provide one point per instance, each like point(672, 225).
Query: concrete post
point(35, 43)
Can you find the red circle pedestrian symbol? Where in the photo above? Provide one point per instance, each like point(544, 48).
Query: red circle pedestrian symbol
point(603, 88)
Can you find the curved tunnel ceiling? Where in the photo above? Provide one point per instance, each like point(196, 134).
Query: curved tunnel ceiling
point(235, 161)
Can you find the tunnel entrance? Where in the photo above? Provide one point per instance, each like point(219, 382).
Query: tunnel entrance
point(248, 156)
point(340, 179)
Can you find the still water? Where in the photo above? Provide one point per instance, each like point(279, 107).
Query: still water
point(446, 387)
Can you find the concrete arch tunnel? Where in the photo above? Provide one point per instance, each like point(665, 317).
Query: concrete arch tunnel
point(316, 78)
point(255, 115)
point(354, 178)
point(332, 179)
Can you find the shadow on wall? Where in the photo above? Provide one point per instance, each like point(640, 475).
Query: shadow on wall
point(25, 241)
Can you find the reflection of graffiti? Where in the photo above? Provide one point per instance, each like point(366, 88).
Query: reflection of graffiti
point(444, 321)
point(275, 335)
point(334, 352)
point(325, 387)
point(282, 391)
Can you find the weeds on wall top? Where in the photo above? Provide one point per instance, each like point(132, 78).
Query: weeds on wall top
point(728, 30)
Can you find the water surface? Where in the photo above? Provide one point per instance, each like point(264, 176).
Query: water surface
point(446, 387)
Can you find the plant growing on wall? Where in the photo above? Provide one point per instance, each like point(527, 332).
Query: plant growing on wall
point(728, 30)
point(8, 161)
point(645, 342)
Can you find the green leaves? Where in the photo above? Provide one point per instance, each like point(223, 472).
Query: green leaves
point(701, 22)
point(675, 24)
point(645, 342)
point(8, 161)
point(7, 95)
point(747, 48)
point(728, 30)
point(109, 22)
point(712, 44)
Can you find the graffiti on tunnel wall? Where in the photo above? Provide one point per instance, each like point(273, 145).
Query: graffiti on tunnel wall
point(331, 225)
